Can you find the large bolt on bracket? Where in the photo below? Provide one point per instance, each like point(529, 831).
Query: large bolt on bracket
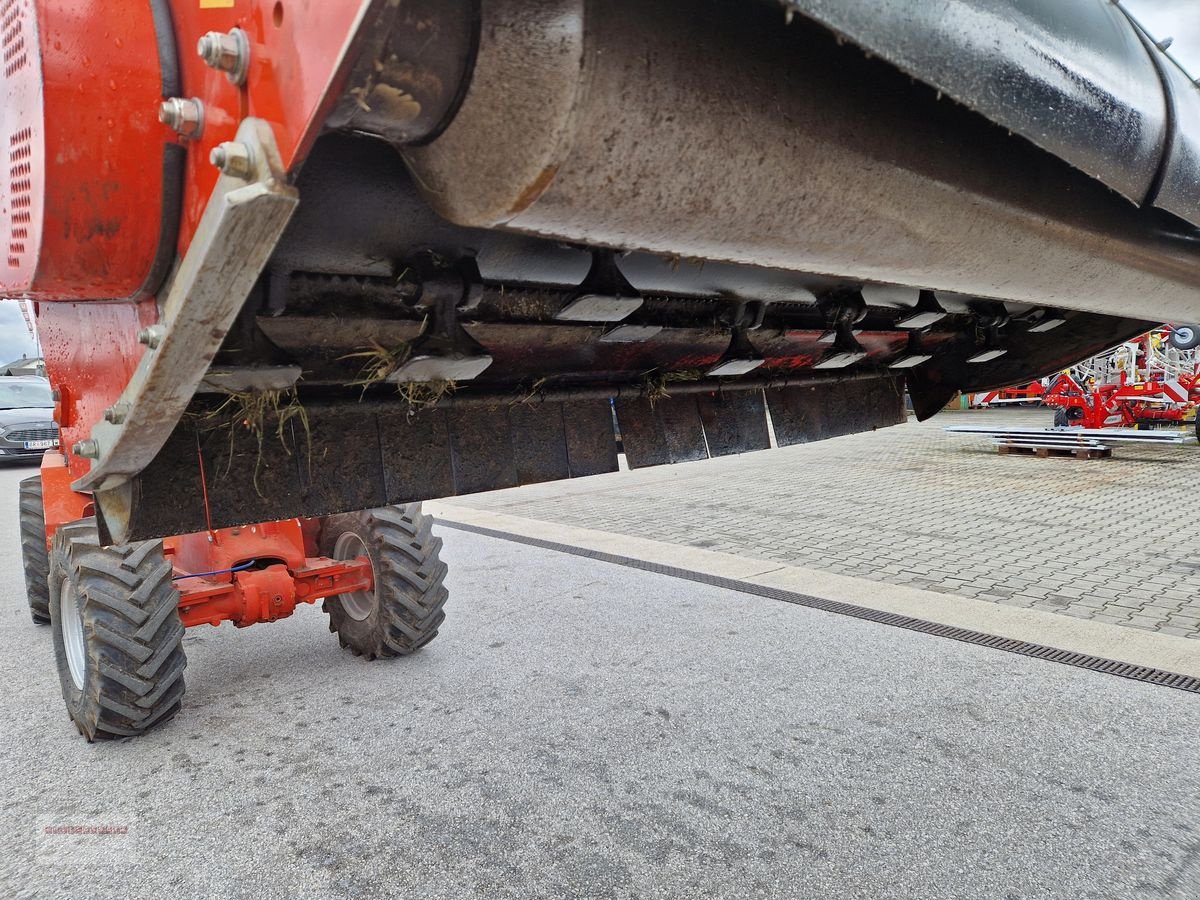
point(151, 336)
point(233, 158)
point(228, 52)
point(185, 116)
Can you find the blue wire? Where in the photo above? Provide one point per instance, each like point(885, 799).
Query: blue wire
point(243, 567)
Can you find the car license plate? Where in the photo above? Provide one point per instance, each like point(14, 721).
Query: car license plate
point(41, 445)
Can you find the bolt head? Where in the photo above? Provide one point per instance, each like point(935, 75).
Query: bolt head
point(151, 336)
point(184, 115)
point(117, 413)
point(228, 52)
point(88, 449)
point(233, 158)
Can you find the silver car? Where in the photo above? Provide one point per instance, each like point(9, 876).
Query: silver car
point(27, 426)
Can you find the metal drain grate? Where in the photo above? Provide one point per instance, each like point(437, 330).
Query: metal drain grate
point(1009, 645)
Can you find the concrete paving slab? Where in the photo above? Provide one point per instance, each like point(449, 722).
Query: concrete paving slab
point(914, 506)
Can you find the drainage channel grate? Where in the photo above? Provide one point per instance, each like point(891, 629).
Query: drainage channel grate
point(1009, 645)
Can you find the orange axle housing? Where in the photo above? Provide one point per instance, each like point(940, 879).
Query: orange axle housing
point(280, 573)
point(255, 573)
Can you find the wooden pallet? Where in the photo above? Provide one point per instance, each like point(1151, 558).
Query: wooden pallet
point(1066, 452)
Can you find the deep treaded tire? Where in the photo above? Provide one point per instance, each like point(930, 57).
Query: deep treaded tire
point(125, 607)
point(33, 549)
point(404, 611)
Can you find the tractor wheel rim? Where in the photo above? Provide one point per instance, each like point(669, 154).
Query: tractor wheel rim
point(358, 604)
point(1186, 334)
point(72, 632)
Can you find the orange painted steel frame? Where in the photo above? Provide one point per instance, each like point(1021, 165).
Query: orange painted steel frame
point(284, 566)
point(297, 48)
point(91, 352)
point(101, 165)
point(283, 574)
point(87, 179)
point(86, 152)
point(60, 504)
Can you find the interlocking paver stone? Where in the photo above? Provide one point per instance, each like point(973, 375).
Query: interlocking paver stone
point(914, 506)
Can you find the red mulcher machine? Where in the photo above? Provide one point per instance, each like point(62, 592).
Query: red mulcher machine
point(293, 260)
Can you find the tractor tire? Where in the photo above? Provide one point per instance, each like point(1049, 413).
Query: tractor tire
point(1185, 337)
point(118, 640)
point(33, 550)
point(403, 612)
point(1060, 418)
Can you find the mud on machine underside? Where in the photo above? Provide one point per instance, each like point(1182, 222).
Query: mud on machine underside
point(433, 266)
point(300, 265)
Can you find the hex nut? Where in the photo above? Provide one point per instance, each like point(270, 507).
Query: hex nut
point(185, 116)
point(117, 413)
point(151, 336)
point(233, 158)
point(228, 52)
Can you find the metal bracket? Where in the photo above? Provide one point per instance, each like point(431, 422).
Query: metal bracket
point(991, 320)
point(241, 225)
point(249, 379)
point(630, 334)
point(741, 356)
point(927, 312)
point(846, 350)
point(1044, 320)
point(445, 352)
point(914, 355)
point(605, 294)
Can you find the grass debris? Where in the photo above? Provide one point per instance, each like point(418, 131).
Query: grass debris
point(421, 395)
point(655, 385)
point(378, 363)
point(529, 394)
point(259, 413)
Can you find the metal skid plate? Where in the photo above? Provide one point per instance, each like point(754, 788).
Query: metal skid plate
point(803, 414)
point(340, 456)
point(663, 431)
point(361, 455)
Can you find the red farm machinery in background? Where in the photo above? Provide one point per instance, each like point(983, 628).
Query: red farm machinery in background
point(1023, 394)
point(1153, 381)
point(1150, 381)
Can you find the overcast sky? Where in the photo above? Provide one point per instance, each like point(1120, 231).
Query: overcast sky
point(1178, 19)
point(14, 336)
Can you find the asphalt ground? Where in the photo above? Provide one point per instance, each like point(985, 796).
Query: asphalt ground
point(581, 729)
